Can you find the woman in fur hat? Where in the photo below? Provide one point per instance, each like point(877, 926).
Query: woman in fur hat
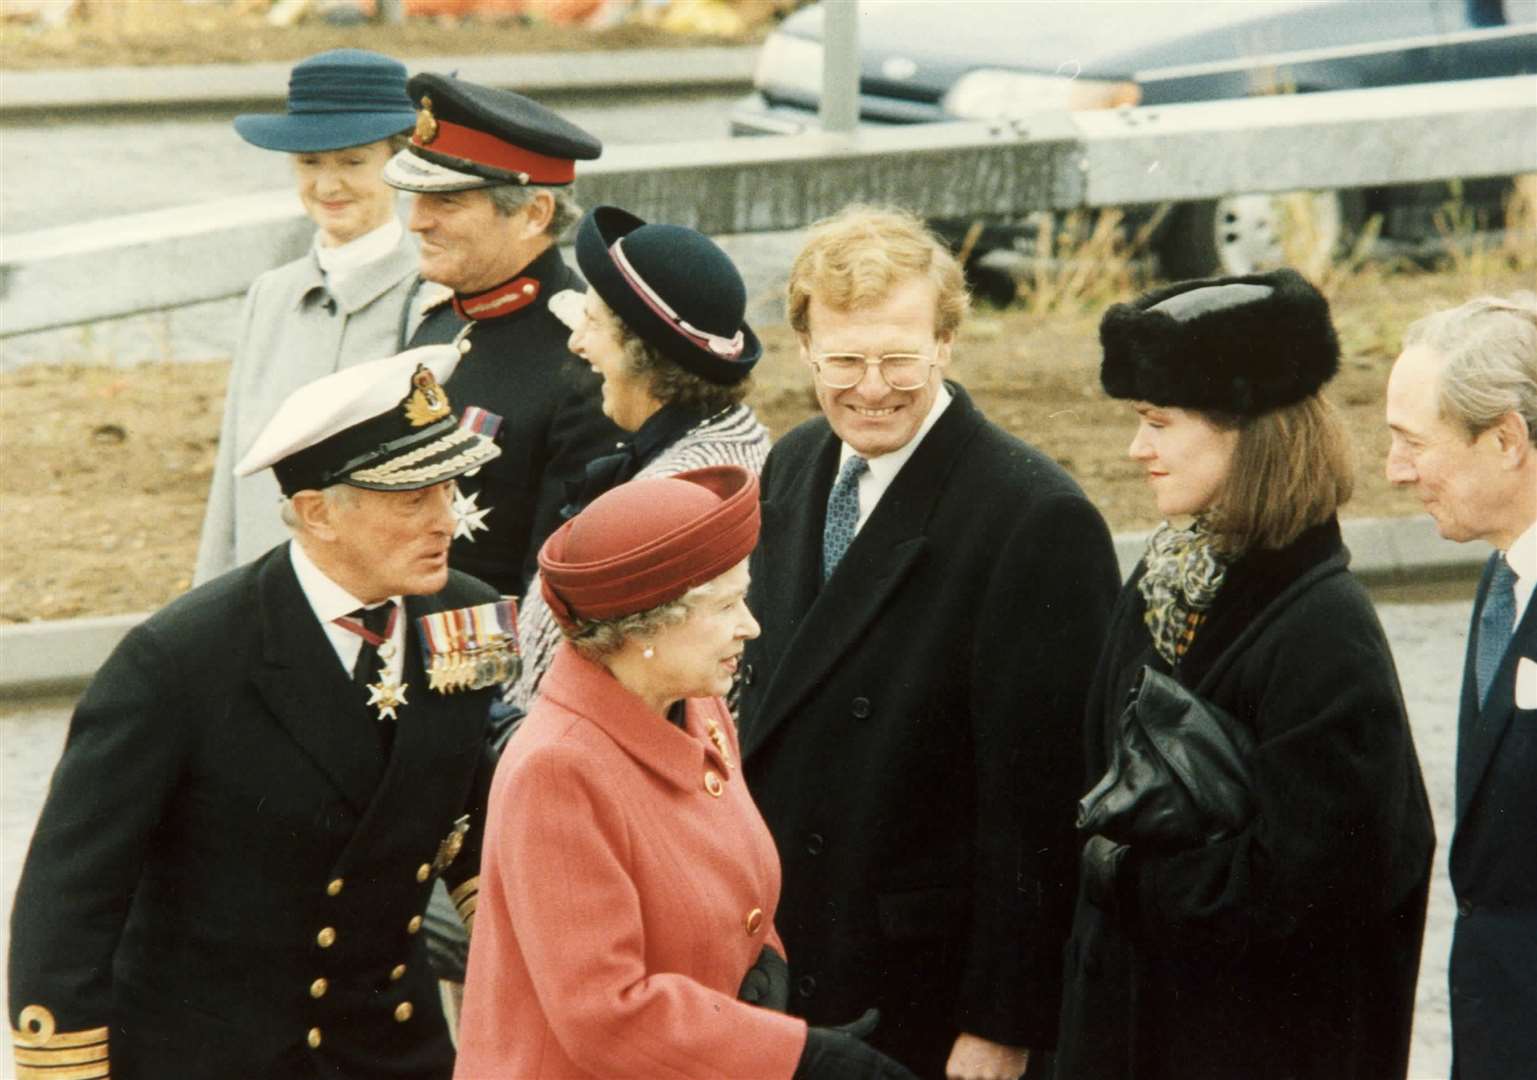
point(1288, 945)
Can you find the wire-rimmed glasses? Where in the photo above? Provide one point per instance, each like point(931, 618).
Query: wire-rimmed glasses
point(901, 370)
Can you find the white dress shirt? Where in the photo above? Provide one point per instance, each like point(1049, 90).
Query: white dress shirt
point(884, 467)
point(329, 601)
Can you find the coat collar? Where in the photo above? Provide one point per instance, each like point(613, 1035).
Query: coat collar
point(589, 690)
point(824, 620)
point(1481, 729)
point(364, 285)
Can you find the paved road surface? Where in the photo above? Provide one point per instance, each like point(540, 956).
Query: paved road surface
point(1428, 641)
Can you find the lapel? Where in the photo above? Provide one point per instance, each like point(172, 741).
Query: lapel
point(367, 283)
point(1480, 730)
point(426, 723)
point(304, 686)
point(883, 555)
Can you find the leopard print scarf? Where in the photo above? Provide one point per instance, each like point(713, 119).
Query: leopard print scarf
point(1184, 573)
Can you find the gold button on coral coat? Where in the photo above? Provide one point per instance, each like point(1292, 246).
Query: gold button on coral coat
point(614, 889)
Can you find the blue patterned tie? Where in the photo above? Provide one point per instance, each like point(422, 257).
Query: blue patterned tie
point(842, 513)
point(1496, 624)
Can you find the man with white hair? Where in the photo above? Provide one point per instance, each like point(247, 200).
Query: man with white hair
point(1462, 408)
point(265, 778)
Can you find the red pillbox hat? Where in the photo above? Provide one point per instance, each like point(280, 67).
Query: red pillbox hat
point(648, 542)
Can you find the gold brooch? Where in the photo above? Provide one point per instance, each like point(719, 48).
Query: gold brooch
point(426, 123)
point(427, 402)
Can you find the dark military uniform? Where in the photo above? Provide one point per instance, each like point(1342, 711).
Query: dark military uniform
point(545, 406)
point(229, 872)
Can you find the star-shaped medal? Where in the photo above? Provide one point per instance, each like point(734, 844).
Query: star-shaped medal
point(387, 696)
point(467, 516)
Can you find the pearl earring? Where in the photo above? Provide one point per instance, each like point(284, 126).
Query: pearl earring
point(648, 652)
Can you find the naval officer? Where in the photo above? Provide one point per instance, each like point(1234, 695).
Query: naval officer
point(265, 778)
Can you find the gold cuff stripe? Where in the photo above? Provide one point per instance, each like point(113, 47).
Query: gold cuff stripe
point(63, 1056)
point(38, 1030)
point(465, 888)
point(99, 1070)
point(466, 907)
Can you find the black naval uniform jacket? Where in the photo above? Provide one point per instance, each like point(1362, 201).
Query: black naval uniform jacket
point(1494, 868)
point(551, 409)
point(911, 732)
point(227, 873)
point(1290, 950)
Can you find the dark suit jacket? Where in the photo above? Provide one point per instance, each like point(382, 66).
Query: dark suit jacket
point(551, 407)
point(226, 861)
point(911, 731)
point(1494, 869)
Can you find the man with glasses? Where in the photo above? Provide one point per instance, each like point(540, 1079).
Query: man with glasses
point(933, 593)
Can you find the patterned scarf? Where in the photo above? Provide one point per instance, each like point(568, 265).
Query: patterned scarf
point(1184, 572)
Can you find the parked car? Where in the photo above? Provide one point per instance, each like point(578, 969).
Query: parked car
point(925, 61)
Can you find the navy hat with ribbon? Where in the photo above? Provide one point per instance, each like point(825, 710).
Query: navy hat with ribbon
point(471, 136)
point(673, 287)
point(336, 99)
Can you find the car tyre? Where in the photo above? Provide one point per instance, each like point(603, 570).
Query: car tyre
point(1247, 234)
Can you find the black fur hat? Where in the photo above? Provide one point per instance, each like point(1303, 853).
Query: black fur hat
point(1242, 345)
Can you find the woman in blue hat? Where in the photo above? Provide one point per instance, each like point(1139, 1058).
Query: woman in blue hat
point(341, 303)
point(663, 324)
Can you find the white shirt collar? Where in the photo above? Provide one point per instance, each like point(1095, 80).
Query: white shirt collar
point(329, 601)
point(339, 262)
point(884, 467)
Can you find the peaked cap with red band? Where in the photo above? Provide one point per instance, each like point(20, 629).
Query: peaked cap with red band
point(471, 136)
point(672, 286)
point(648, 542)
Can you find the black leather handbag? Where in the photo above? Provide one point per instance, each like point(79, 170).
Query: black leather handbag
point(1180, 776)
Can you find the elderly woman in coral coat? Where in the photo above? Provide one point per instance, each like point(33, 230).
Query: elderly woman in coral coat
point(628, 886)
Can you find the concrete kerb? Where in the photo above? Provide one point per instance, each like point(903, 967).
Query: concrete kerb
point(26, 94)
point(61, 656)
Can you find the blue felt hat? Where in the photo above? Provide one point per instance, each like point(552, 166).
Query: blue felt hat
point(336, 99)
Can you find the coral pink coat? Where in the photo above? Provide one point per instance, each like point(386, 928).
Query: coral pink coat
point(627, 885)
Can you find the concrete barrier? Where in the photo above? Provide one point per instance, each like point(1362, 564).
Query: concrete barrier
point(1485, 127)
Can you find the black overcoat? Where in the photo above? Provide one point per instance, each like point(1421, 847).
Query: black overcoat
point(549, 406)
point(1494, 869)
point(226, 861)
point(1289, 950)
point(911, 732)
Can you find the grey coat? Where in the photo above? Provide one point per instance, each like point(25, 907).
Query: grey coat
point(294, 328)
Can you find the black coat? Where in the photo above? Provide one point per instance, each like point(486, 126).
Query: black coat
point(910, 731)
point(1291, 949)
point(1494, 870)
point(552, 424)
point(221, 776)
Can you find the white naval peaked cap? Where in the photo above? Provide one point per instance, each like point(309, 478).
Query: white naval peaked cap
point(385, 425)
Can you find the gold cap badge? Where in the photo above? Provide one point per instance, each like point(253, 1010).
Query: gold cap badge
point(426, 123)
point(427, 403)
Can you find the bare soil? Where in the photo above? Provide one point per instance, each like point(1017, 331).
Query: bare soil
point(106, 468)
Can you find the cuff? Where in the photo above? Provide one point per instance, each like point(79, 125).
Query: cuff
point(464, 898)
point(42, 1051)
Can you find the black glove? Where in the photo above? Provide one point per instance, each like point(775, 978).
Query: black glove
point(840, 1053)
point(767, 983)
point(1102, 861)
